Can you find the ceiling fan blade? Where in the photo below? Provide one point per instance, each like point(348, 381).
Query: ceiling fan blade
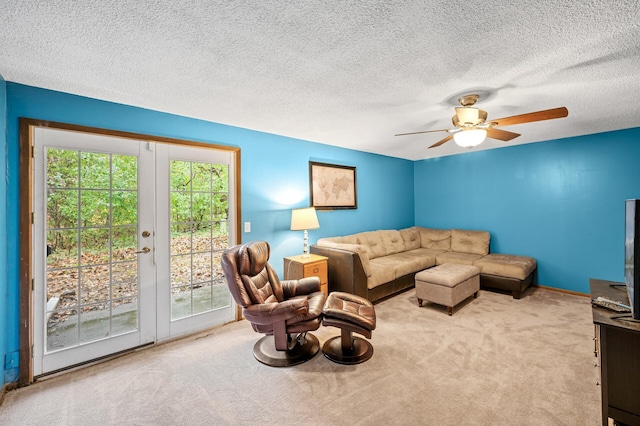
point(546, 114)
point(501, 135)
point(425, 131)
point(447, 139)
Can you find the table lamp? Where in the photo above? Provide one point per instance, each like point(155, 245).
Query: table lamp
point(302, 220)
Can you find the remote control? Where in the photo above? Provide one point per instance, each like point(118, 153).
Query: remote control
point(612, 305)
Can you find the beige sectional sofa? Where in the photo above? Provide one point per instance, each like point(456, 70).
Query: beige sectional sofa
point(377, 264)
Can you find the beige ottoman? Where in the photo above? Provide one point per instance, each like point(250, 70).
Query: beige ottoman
point(447, 284)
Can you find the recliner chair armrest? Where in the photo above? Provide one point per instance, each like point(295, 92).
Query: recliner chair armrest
point(269, 313)
point(303, 286)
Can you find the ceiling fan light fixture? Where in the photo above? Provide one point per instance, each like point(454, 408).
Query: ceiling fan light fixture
point(468, 116)
point(470, 125)
point(470, 138)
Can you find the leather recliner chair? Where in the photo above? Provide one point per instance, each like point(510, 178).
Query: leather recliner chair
point(284, 311)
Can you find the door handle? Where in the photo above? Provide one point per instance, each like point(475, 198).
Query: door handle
point(144, 250)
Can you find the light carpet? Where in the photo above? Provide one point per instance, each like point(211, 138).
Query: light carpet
point(496, 361)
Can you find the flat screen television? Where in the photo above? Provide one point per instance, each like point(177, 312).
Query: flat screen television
point(632, 255)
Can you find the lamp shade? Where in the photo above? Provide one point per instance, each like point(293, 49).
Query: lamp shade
point(303, 219)
point(469, 138)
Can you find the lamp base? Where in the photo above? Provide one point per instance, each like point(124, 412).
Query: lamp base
point(305, 245)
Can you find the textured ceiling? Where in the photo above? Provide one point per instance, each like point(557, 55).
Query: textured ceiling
point(346, 73)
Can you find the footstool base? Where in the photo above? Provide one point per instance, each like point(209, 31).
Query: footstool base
point(359, 350)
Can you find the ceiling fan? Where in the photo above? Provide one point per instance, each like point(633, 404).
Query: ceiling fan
point(471, 126)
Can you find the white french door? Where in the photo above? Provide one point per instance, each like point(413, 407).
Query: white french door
point(127, 242)
point(194, 206)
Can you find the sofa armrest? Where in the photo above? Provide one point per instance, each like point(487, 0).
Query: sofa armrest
point(346, 272)
point(360, 249)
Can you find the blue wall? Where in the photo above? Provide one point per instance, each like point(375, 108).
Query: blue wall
point(275, 178)
point(3, 226)
point(561, 202)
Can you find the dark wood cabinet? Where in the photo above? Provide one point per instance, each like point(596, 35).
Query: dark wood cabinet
point(618, 344)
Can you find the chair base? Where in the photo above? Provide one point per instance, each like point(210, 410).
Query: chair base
point(361, 351)
point(265, 351)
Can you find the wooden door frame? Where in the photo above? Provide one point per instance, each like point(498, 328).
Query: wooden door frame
point(26, 217)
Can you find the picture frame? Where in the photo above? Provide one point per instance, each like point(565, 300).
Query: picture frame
point(332, 186)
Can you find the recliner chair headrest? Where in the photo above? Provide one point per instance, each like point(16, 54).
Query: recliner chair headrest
point(253, 257)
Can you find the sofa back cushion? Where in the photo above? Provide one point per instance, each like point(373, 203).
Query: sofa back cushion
point(474, 242)
point(393, 241)
point(411, 238)
point(372, 240)
point(439, 239)
point(381, 243)
point(348, 239)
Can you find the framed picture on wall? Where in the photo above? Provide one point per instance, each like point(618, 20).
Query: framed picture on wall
point(332, 186)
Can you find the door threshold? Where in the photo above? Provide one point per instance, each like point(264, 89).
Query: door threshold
point(92, 362)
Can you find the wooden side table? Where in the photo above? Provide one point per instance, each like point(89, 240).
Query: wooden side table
point(310, 265)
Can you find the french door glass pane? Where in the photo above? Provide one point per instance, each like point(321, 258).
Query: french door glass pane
point(199, 233)
point(91, 229)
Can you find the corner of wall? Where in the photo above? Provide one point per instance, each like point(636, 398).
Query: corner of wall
point(8, 376)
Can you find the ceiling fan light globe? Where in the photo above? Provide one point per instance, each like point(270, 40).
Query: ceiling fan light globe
point(470, 138)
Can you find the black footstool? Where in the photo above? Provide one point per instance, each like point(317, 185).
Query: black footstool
point(350, 313)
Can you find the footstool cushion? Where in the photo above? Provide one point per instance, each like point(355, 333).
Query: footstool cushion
point(349, 313)
point(447, 284)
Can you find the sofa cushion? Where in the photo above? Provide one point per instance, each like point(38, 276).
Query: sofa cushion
point(347, 239)
point(373, 241)
point(381, 243)
point(431, 252)
point(439, 239)
point(457, 257)
point(393, 241)
point(411, 238)
point(506, 265)
point(410, 261)
point(475, 242)
point(382, 271)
